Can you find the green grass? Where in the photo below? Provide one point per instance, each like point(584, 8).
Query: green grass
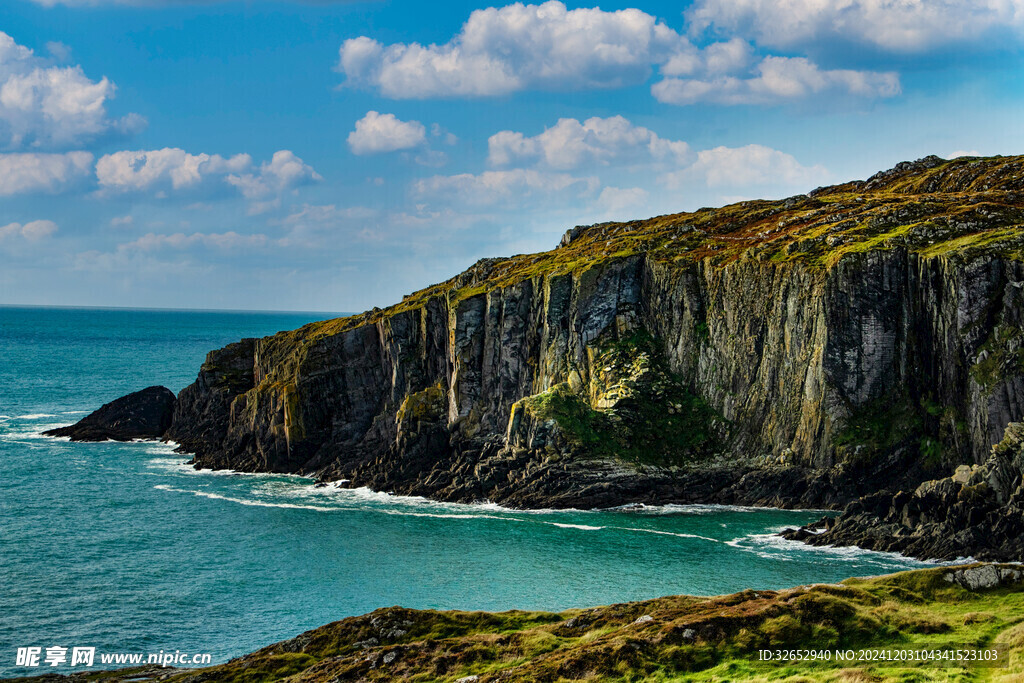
point(957, 208)
point(1003, 357)
point(686, 639)
point(655, 419)
point(891, 422)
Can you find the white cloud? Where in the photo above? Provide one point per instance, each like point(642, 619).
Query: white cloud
point(439, 132)
point(378, 132)
point(284, 171)
point(28, 172)
point(45, 106)
point(519, 47)
point(716, 58)
point(122, 221)
point(503, 50)
point(616, 200)
point(30, 232)
point(179, 240)
point(899, 25)
point(752, 165)
point(774, 80)
point(963, 153)
point(60, 51)
point(170, 167)
point(173, 169)
point(327, 214)
point(494, 186)
point(570, 144)
point(314, 225)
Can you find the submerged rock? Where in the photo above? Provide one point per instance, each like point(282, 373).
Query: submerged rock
point(144, 414)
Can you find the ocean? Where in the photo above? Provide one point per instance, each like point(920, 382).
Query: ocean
point(125, 548)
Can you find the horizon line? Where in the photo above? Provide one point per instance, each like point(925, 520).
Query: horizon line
point(172, 310)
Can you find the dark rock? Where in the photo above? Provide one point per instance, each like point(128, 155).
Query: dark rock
point(976, 512)
point(820, 352)
point(226, 373)
point(144, 414)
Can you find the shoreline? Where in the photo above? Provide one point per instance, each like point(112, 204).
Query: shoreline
point(486, 504)
point(927, 611)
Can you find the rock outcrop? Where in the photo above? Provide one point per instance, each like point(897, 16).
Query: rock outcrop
point(144, 414)
point(801, 352)
point(852, 342)
point(976, 512)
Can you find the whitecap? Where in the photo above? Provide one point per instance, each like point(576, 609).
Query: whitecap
point(370, 495)
point(666, 533)
point(775, 547)
point(33, 432)
point(245, 501)
point(35, 416)
point(584, 527)
point(436, 515)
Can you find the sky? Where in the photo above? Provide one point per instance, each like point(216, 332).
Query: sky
point(336, 155)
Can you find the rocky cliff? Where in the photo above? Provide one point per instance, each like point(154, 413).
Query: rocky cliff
point(800, 352)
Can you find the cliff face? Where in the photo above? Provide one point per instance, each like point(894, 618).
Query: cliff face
point(798, 352)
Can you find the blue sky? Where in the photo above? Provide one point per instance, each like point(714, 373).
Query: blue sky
point(336, 155)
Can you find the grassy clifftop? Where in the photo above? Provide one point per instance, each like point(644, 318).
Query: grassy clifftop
point(669, 639)
point(931, 206)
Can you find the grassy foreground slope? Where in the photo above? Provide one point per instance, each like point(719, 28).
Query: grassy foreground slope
point(677, 638)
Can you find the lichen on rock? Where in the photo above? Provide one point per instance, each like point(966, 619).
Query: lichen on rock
point(800, 352)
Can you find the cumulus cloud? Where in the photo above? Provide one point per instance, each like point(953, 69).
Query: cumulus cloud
point(491, 187)
point(518, 47)
point(30, 232)
point(169, 168)
point(752, 165)
point(173, 169)
point(28, 172)
point(285, 171)
point(45, 106)
point(570, 144)
point(776, 79)
point(503, 50)
point(378, 132)
point(899, 25)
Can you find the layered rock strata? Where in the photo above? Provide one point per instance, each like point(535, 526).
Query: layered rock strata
point(805, 352)
point(802, 352)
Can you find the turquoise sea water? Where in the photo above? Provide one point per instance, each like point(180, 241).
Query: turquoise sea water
point(124, 548)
